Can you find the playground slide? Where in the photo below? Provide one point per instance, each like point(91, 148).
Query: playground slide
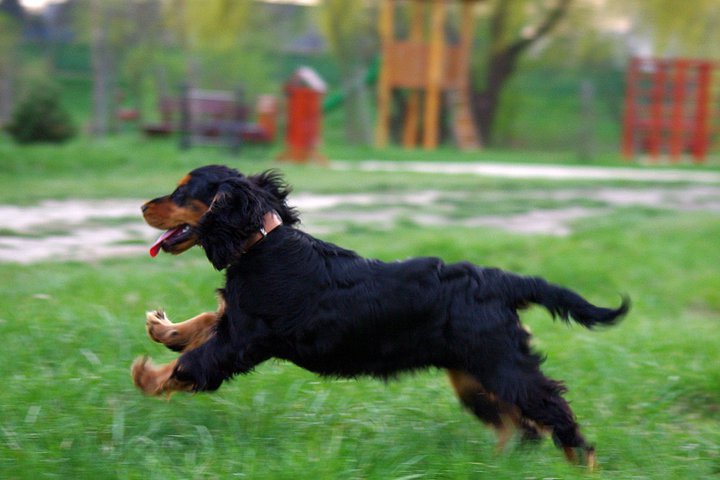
point(334, 100)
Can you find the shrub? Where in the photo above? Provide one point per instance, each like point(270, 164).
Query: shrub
point(40, 117)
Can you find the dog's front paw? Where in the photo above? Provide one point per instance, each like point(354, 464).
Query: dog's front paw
point(148, 378)
point(156, 380)
point(162, 330)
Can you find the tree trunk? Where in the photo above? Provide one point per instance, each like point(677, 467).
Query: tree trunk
point(9, 40)
point(6, 96)
point(357, 116)
point(503, 61)
point(102, 71)
point(500, 69)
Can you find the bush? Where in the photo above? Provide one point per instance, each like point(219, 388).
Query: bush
point(40, 117)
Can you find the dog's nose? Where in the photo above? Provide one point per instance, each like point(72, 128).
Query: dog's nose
point(144, 207)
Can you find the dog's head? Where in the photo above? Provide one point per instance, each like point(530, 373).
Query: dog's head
point(218, 208)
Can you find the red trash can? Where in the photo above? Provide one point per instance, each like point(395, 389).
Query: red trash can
point(304, 91)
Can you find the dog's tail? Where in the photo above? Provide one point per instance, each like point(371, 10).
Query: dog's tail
point(565, 304)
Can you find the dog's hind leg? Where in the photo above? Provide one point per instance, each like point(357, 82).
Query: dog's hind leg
point(502, 417)
point(539, 400)
point(186, 335)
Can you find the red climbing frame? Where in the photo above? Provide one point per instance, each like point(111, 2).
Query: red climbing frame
point(669, 107)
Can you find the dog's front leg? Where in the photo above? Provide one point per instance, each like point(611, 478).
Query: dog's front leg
point(217, 360)
point(202, 369)
point(186, 335)
point(181, 336)
point(157, 379)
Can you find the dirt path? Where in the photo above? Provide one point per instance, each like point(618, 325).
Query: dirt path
point(88, 230)
point(552, 172)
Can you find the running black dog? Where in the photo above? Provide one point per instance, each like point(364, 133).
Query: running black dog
point(291, 296)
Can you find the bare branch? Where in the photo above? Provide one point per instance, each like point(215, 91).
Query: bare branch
point(548, 24)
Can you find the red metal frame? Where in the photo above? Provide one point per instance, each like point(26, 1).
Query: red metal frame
point(668, 108)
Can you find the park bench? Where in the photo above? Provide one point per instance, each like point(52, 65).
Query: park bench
point(214, 117)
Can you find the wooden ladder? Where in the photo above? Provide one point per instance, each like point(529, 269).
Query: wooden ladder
point(463, 124)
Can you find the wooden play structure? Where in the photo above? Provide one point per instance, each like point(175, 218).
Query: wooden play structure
point(670, 108)
point(429, 67)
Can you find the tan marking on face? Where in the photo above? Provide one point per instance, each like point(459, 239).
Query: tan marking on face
point(184, 180)
point(164, 213)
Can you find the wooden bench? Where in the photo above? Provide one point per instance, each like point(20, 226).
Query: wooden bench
point(168, 109)
point(211, 117)
point(214, 117)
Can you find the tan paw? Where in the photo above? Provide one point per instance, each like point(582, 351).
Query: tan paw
point(150, 379)
point(162, 330)
point(154, 379)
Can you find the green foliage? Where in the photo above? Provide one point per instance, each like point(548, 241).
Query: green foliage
point(226, 44)
point(348, 28)
point(41, 117)
point(9, 35)
point(686, 29)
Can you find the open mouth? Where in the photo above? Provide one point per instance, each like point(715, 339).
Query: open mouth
point(170, 238)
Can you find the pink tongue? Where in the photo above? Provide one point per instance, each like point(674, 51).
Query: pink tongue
point(158, 243)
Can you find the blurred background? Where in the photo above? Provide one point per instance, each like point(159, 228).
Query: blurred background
point(541, 74)
point(577, 140)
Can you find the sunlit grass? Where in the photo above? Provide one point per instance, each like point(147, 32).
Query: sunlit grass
point(645, 392)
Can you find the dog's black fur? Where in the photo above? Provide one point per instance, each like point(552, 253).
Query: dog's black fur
point(333, 312)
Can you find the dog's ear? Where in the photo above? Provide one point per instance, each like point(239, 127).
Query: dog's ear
point(272, 182)
point(235, 214)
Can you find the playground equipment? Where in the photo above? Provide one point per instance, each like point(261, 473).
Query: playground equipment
point(335, 99)
point(428, 68)
point(669, 107)
point(305, 90)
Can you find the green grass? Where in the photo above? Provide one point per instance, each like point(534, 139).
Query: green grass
point(130, 166)
point(645, 392)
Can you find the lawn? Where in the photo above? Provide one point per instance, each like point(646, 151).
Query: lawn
point(646, 392)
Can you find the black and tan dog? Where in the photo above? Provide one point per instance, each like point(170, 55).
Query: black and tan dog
point(291, 296)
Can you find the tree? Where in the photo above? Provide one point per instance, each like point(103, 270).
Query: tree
point(347, 26)
point(141, 55)
point(106, 28)
point(41, 117)
point(688, 29)
point(123, 41)
point(514, 27)
point(9, 39)
point(227, 43)
point(13, 8)
point(103, 67)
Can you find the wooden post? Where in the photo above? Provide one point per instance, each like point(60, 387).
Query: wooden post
point(677, 118)
point(185, 121)
point(467, 135)
point(467, 26)
point(702, 120)
point(412, 115)
point(630, 123)
point(656, 109)
point(586, 143)
point(386, 32)
point(435, 75)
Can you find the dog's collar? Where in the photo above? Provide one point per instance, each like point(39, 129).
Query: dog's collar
point(271, 221)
